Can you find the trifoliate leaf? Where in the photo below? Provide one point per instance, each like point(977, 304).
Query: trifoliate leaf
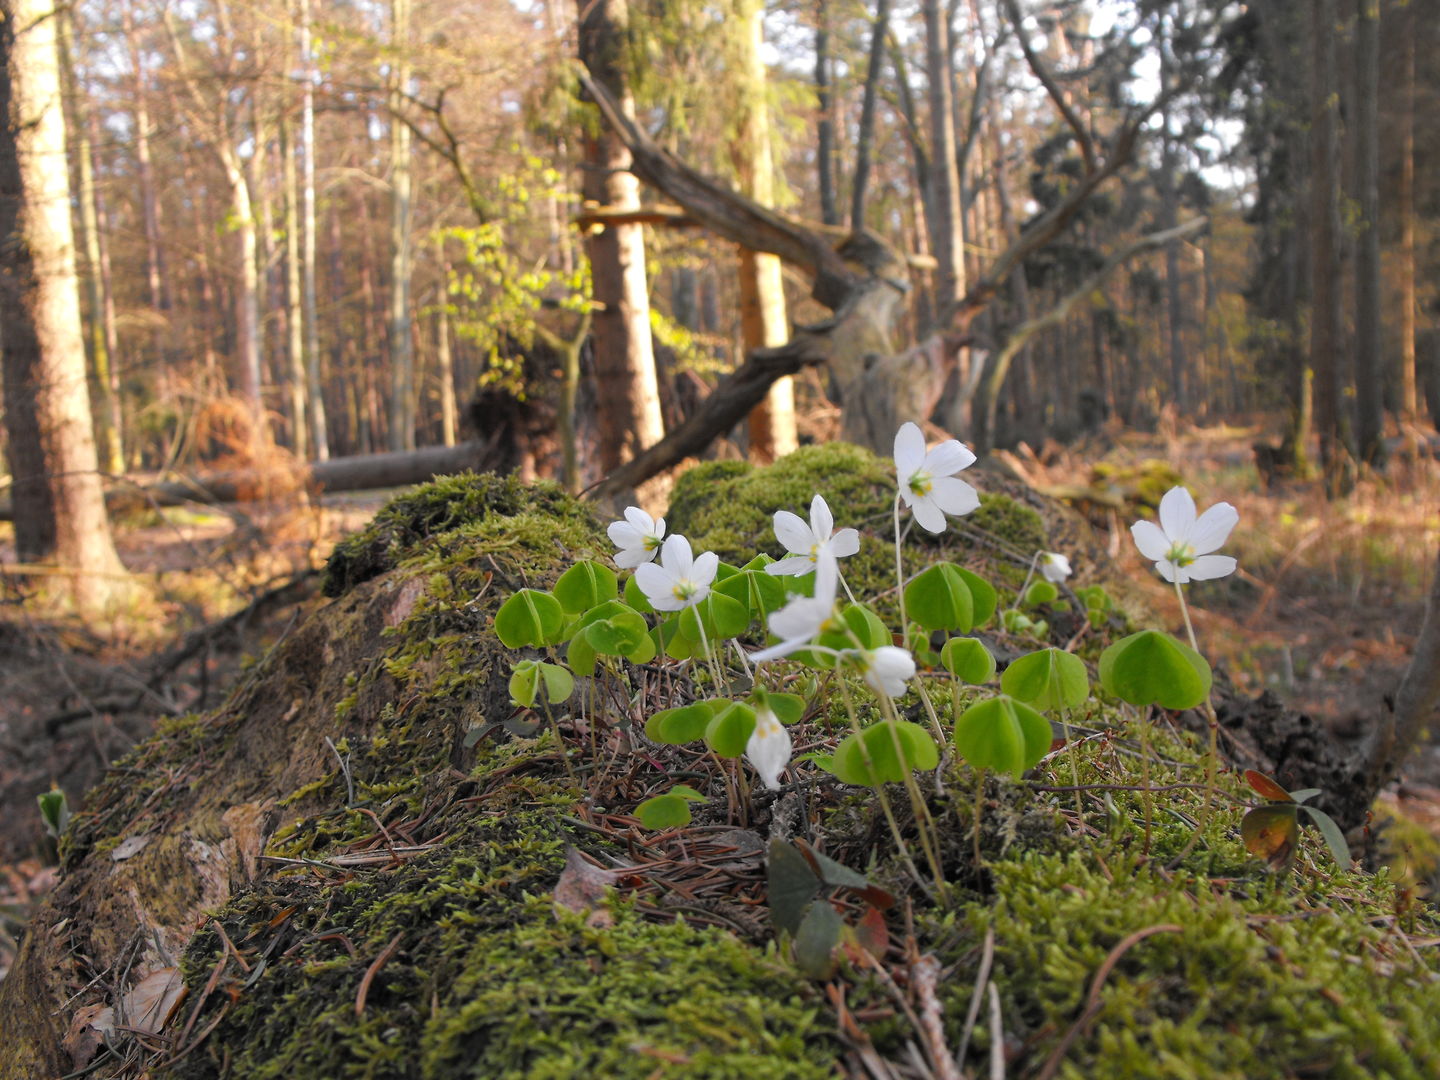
point(722, 616)
point(684, 724)
point(968, 660)
point(529, 617)
point(728, 733)
point(584, 586)
point(1272, 832)
point(669, 810)
point(1334, 838)
point(1041, 592)
point(1048, 679)
point(894, 748)
point(939, 599)
point(792, 884)
point(1003, 734)
point(816, 939)
point(1151, 668)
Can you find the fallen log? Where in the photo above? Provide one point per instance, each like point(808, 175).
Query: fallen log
point(362, 472)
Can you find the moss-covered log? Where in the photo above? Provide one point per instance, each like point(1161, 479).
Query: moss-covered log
point(368, 863)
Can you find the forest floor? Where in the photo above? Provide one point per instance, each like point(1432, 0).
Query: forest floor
point(1323, 612)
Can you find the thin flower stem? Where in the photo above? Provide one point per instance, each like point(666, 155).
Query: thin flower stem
point(846, 586)
point(880, 795)
point(1026, 583)
point(1212, 753)
point(1074, 749)
point(900, 572)
point(924, 823)
point(979, 809)
point(709, 653)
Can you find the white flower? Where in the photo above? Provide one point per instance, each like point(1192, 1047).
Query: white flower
point(1054, 567)
point(1181, 544)
point(887, 669)
point(927, 482)
point(638, 537)
point(802, 619)
point(806, 542)
point(679, 579)
point(769, 747)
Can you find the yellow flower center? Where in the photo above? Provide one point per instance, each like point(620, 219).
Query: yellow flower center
point(1181, 554)
point(921, 483)
point(651, 543)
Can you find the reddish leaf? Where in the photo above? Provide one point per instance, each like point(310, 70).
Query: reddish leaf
point(872, 933)
point(1271, 832)
point(1263, 785)
point(582, 888)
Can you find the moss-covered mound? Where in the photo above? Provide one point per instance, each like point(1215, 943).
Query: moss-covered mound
point(369, 863)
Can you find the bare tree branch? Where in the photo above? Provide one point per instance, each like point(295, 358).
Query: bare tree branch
point(1041, 72)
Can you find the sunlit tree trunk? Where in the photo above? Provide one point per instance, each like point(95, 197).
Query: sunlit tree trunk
point(626, 387)
point(763, 321)
point(865, 139)
point(315, 396)
point(825, 122)
point(101, 322)
point(294, 317)
point(402, 348)
point(56, 492)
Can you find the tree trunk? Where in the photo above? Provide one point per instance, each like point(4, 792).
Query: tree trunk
point(825, 125)
point(946, 234)
point(319, 428)
point(1409, 397)
point(1369, 363)
point(1324, 249)
point(444, 362)
point(402, 346)
point(51, 441)
point(763, 321)
point(294, 316)
point(866, 136)
point(627, 388)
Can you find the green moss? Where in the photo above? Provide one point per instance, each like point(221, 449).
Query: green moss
point(486, 980)
point(434, 508)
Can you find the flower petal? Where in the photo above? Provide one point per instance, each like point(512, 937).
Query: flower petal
point(1172, 573)
point(1150, 540)
point(822, 522)
point(948, 458)
point(1208, 567)
point(795, 565)
point(1213, 528)
point(630, 558)
point(703, 571)
point(642, 521)
point(784, 648)
point(676, 556)
point(909, 451)
point(624, 535)
point(791, 530)
point(845, 542)
point(929, 516)
point(953, 496)
point(1177, 514)
point(658, 585)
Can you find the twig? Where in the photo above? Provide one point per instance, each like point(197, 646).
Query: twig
point(987, 958)
point(924, 974)
point(997, 1037)
point(373, 970)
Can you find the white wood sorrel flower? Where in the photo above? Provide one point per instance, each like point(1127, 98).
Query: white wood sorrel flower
point(887, 669)
point(638, 537)
point(769, 747)
point(1054, 567)
point(806, 542)
point(1181, 544)
point(801, 620)
point(679, 579)
point(927, 481)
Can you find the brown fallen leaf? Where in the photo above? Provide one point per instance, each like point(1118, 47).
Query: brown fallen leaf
point(152, 1000)
point(88, 1028)
point(582, 888)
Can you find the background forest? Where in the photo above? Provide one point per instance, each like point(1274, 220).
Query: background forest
point(360, 220)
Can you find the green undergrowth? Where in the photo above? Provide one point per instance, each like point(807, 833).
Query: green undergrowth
point(469, 970)
point(487, 977)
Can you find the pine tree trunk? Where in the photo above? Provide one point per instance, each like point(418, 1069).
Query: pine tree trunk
point(627, 389)
point(763, 322)
point(866, 137)
point(294, 317)
point(825, 123)
point(946, 234)
point(402, 347)
point(319, 428)
point(56, 491)
point(1369, 364)
point(1409, 397)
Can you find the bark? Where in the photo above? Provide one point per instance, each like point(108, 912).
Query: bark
point(56, 484)
point(946, 232)
point(1409, 398)
point(444, 361)
point(866, 135)
point(763, 322)
point(319, 427)
point(100, 324)
point(402, 347)
point(825, 126)
point(1369, 364)
point(627, 387)
point(1324, 251)
point(294, 316)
